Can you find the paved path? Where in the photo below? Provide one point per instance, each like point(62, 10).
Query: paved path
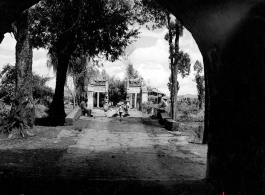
point(103, 155)
point(135, 148)
point(133, 113)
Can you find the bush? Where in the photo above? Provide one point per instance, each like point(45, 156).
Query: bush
point(199, 117)
point(3, 114)
point(147, 106)
point(190, 112)
point(7, 86)
point(40, 111)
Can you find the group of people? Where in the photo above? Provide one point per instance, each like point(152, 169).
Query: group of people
point(123, 107)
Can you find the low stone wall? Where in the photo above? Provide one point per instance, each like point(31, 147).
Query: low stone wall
point(164, 116)
point(73, 116)
point(166, 120)
point(171, 125)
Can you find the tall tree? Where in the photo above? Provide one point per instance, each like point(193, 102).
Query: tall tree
point(105, 74)
point(131, 72)
point(80, 27)
point(158, 17)
point(22, 114)
point(81, 71)
point(179, 61)
point(170, 87)
point(78, 70)
point(199, 79)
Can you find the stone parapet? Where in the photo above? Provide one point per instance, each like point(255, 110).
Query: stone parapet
point(73, 116)
point(164, 116)
point(171, 125)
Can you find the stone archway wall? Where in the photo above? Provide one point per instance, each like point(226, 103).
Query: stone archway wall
point(11, 10)
point(230, 36)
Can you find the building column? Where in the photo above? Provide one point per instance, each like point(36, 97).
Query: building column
point(90, 99)
point(135, 100)
point(90, 91)
point(97, 99)
point(144, 95)
point(131, 103)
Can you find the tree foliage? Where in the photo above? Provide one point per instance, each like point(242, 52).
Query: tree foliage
point(117, 90)
point(177, 57)
point(104, 74)
point(199, 79)
point(40, 89)
point(93, 27)
point(183, 60)
point(170, 87)
point(8, 81)
point(83, 71)
point(74, 28)
point(117, 87)
point(132, 73)
point(179, 61)
point(150, 13)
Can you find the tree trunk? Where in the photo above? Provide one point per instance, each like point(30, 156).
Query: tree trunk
point(57, 112)
point(175, 90)
point(174, 67)
point(22, 113)
point(57, 107)
point(74, 96)
point(175, 71)
point(171, 65)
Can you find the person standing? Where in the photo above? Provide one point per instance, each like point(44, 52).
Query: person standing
point(126, 109)
point(120, 109)
point(106, 107)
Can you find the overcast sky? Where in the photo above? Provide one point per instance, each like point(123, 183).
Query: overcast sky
point(150, 58)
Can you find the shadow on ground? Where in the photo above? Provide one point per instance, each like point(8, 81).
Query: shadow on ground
point(50, 121)
point(47, 164)
point(41, 171)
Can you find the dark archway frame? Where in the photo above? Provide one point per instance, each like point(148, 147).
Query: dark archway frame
point(231, 37)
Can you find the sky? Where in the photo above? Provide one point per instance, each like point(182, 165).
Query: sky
point(149, 57)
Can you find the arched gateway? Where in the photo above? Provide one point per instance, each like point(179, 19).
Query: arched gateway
point(231, 37)
point(97, 93)
point(136, 93)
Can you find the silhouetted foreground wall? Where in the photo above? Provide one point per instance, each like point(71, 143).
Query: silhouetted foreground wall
point(230, 36)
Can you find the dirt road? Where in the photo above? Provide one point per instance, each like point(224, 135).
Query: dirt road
point(103, 155)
